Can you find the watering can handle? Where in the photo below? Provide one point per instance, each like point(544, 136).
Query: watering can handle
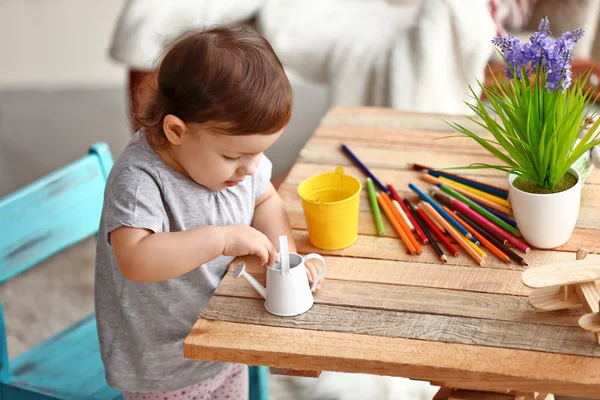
point(284, 255)
point(313, 256)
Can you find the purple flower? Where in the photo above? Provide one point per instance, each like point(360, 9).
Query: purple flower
point(553, 57)
point(515, 53)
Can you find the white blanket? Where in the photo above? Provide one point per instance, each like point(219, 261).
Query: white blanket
point(415, 55)
point(145, 26)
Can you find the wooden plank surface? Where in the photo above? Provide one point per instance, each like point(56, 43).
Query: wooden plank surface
point(382, 311)
point(418, 274)
point(417, 359)
point(416, 300)
point(384, 248)
point(357, 120)
point(395, 324)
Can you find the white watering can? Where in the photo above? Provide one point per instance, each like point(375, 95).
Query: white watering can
point(288, 292)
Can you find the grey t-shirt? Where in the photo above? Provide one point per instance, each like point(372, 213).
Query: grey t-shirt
point(142, 326)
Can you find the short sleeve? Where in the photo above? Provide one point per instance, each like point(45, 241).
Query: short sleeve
point(134, 200)
point(262, 177)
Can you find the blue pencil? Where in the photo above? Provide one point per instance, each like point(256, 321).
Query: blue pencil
point(444, 214)
point(499, 215)
point(362, 166)
point(483, 187)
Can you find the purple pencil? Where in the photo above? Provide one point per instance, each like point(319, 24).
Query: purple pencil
point(364, 168)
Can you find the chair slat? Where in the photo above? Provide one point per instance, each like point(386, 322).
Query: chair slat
point(52, 213)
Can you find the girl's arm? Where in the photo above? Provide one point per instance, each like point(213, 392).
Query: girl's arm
point(271, 219)
point(144, 256)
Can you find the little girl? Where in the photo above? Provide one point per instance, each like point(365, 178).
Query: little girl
point(190, 193)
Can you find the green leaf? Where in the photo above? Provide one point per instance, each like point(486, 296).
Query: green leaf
point(533, 131)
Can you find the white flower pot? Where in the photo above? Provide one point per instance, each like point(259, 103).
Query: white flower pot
point(546, 221)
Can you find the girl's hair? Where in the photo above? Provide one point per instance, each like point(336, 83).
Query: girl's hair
point(228, 80)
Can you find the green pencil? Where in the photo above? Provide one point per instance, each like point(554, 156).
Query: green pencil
point(480, 209)
point(375, 206)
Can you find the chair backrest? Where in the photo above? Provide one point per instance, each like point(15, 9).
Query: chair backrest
point(53, 212)
point(47, 216)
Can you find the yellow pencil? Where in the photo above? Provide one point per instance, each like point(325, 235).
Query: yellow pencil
point(477, 192)
point(477, 249)
point(465, 192)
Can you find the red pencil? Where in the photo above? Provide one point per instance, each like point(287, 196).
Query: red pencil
point(437, 232)
point(418, 229)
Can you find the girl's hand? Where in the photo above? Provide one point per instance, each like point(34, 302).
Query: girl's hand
point(313, 272)
point(242, 240)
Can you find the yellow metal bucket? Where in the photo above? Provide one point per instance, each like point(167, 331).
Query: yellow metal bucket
point(331, 204)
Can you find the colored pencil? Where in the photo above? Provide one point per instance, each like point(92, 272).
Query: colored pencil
point(437, 207)
point(375, 207)
point(388, 212)
point(496, 191)
point(398, 217)
point(475, 197)
point(477, 249)
point(480, 193)
point(486, 243)
point(417, 228)
point(363, 167)
point(503, 217)
point(462, 207)
point(483, 212)
point(483, 232)
point(446, 200)
point(429, 235)
point(443, 198)
point(433, 228)
point(455, 234)
point(400, 210)
point(437, 224)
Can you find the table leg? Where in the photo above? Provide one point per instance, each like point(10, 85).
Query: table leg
point(442, 394)
point(295, 372)
point(447, 393)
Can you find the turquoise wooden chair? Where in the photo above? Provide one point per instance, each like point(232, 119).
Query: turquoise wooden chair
point(36, 222)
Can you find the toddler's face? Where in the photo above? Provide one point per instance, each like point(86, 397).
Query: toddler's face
point(217, 161)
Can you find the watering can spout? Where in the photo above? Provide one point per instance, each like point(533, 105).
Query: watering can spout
point(240, 270)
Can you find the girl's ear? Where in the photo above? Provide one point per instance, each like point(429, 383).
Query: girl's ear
point(174, 129)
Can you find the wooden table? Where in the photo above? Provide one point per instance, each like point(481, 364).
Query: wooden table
point(384, 312)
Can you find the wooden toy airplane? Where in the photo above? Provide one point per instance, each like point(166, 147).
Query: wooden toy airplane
point(568, 285)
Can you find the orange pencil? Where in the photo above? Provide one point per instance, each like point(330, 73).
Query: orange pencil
point(497, 252)
point(461, 240)
point(403, 224)
point(388, 212)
